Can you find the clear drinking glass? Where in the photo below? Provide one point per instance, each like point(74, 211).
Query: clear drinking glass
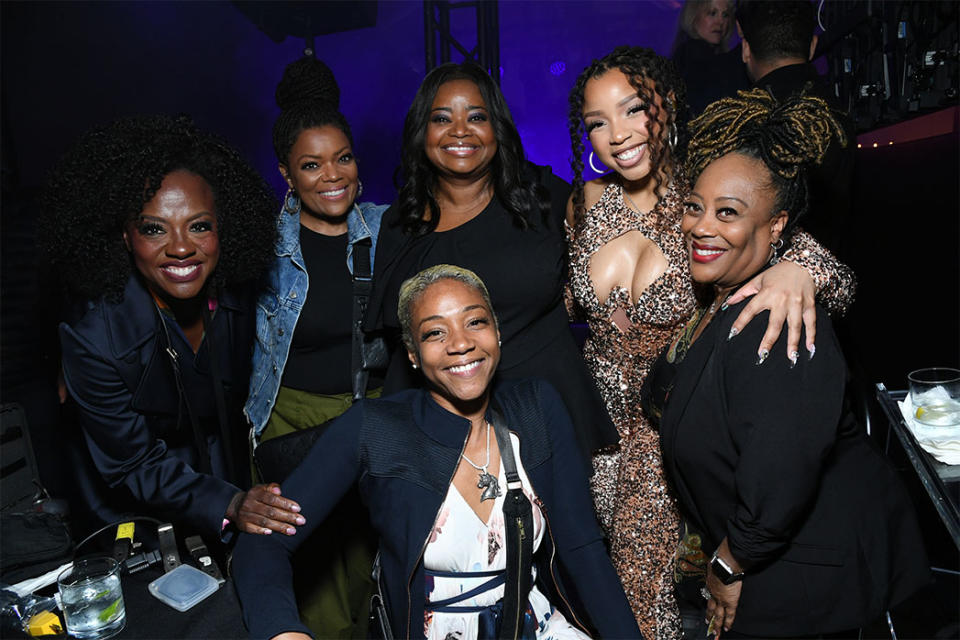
point(935, 394)
point(92, 599)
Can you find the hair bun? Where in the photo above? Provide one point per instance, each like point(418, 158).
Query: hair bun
point(307, 79)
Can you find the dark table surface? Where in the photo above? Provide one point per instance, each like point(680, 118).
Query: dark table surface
point(218, 616)
point(941, 481)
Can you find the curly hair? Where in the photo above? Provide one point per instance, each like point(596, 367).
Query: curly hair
point(521, 195)
point(106, 178)
point(639, 65)
point(787, 137)
point(308, 97)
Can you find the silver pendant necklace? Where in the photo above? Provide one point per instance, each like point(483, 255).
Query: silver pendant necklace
point(489, 484)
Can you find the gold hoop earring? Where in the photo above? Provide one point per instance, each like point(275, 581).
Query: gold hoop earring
point(291, 202)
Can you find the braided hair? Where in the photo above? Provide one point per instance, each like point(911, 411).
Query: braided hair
point(640, 65)
point(787, 137)
point(519, 193)
point(309, 97)
point(106, 178)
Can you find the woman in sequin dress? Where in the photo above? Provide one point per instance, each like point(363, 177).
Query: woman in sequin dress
point(630, 278)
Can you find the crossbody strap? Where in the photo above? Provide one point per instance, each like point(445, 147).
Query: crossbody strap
point(362, 287)
point(198, 437)
point(218, 395)
point(518, 520)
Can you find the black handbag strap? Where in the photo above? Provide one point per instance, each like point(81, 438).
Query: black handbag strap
point(362, 287)
point(218, 395)
point(198, 438)
point(518, 518)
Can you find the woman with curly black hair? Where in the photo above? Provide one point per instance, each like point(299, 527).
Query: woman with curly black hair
point(162, 232)
point(470, 198)
point(629, 276)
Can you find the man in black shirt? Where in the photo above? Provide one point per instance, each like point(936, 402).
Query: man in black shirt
point(778, 44)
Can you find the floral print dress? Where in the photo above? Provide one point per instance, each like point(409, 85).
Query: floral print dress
point(462, 542)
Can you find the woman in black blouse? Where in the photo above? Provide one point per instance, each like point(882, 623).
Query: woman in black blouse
point(470, 198)
point(809, 528)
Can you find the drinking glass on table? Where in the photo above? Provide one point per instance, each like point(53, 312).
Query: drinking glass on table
point(935, 394)
point(91, 598)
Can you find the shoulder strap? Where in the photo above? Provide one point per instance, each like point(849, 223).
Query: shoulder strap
point(362, 285)
point(518, 518)
point(198, 437)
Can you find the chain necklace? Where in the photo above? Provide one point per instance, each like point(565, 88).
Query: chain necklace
point(491, 489)
point(630, 200)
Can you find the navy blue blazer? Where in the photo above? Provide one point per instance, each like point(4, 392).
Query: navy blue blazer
point(139, 452)
point(766, 457)
point(403, 450)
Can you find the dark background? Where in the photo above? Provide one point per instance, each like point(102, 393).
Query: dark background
point(67, 66)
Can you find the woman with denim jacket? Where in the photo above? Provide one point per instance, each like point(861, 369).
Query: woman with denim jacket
point(302, 361)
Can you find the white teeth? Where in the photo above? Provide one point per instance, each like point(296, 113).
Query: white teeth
point(181, 271)
point(463, 368)
point(630, 154)
point(708, 252)
point(336, 193)
point(459, 149)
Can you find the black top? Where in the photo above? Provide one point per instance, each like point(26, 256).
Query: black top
point(709, 76)
point(320, 351)
point(766, 457)
point(138, 451)
point(831, 183)
point(524, 270)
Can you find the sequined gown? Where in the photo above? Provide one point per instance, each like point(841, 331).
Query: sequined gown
point(632, 501)
point(630, 493)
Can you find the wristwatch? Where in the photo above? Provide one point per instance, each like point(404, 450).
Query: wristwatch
point(723, 571)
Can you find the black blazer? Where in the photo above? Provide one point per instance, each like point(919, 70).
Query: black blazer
point(763, 455)
point(137, 452)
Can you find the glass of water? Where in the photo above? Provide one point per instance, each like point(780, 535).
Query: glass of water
point(91, 598)
point(935, 394)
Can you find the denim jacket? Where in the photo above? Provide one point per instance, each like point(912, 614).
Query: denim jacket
point(279, 305)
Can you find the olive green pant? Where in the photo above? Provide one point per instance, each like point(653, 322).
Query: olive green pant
point(331, 569)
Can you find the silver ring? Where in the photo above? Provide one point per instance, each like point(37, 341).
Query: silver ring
point(705, 593)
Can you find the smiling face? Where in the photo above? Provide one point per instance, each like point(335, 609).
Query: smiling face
point(714, 21)
point(322, 169)
point(621, 124)
point(457, 344)
point(727, 221)
point(460, 141)
point(174, 242)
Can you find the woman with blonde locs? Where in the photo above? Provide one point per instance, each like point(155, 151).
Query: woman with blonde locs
point(630, 279)
point(795, 504)
point(468, 550)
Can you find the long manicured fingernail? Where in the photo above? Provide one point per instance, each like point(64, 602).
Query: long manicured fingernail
point(301, 520)
point(290, 531)
point(812, 349)
point(724, 306)
point(295, 508)
point(794, 356)
point(734, 332)
point(762, 355)
point(266, 532)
